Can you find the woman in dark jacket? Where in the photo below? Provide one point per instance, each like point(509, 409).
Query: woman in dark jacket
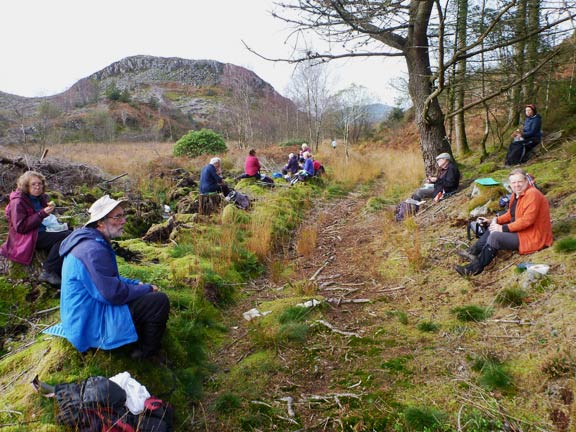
point(27, 209)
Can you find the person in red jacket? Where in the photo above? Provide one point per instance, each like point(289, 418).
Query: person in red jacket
point(26, 211)
point(252, 169)
point(525, 227)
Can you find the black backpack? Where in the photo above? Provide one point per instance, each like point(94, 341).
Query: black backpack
point(475, 229)
point(98, 405)
point(404, 210)
point(239, 199)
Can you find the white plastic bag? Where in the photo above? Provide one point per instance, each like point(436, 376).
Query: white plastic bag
point(136, 393)
point(52, 225)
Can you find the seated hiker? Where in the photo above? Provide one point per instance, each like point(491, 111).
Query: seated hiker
point(252, 169)
point(291, 166)
point(525, 226)
point(98, 307)
point(445, 182)
point(527, 139)
point(27, 212)
point(304, 149)
point(318, 168)
point(307, 170)
point(211, 178)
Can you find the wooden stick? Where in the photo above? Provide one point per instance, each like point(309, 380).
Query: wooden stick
point(335, 330)
point(518, 321)
point(341, 300)
point(52, 309)
point(392, 289)
point(115, 178)
point(328, 261)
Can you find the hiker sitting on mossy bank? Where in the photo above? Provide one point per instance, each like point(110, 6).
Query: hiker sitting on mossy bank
point(444, 183)
point(211, 178)
point(27, 213)
point(98, 307)
point(525, 227)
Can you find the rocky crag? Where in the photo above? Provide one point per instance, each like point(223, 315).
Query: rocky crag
point(143, 98)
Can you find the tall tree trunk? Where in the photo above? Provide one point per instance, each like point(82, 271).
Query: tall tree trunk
point(532, 46)
point(520, 50)
point(429, 116)
point(459, 122)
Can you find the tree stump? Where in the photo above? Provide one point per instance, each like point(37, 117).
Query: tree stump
point(209, 203)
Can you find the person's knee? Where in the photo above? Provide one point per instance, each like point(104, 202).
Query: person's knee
point(498, 240)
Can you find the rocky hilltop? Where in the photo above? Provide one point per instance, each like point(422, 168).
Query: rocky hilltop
point(146, 98)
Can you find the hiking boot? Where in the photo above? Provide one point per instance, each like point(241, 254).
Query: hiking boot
point(477, 266)
point(463, 270)
point(466, 255)
point(50, 277)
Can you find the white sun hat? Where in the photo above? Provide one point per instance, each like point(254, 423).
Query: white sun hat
point(102, 207)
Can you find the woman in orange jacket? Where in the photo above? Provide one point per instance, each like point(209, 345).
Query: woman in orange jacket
point(525, 227)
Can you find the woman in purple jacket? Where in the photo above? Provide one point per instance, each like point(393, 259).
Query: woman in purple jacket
point(27, 208)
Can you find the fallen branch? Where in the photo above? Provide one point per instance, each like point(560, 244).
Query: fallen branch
point(289, 401)
point(342, 300)
point(392, 289)
point(518, 321)
point(45, 311)
point(335, 330)
point(317, 272)
point(115, 178)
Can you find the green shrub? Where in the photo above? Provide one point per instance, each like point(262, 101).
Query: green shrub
point(511, 297)
point(424, 419)
point(227, 403)
point(292, 142)
point(492, 373)
point(472, 313)
point(565, 245)
point(428, 326)
point(196, 143)
point(292, 332)
point(293, 314)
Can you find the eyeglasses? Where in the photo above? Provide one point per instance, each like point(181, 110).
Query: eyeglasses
point(117, 217)
point(36, 184)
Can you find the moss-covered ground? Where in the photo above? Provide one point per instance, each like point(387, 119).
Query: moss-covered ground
point(398, 341)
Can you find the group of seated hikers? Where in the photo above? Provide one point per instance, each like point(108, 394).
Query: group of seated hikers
point(303, 166)
point(100, 309)
point(298, 168)
point(524, 227)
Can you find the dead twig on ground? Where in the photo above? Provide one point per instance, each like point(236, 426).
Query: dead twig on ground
point(289, 402)
point(45, 311)
point(342, 300)
point(386, 290)
point(317, 272)
point(517, 321)
point(335, 330)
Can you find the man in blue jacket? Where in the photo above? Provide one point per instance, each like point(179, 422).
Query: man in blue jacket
point(98, 307)
point(211, 180)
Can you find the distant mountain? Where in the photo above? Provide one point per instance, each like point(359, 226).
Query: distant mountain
point(146, 97)
point(378, 112)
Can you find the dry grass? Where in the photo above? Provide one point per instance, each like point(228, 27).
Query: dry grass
point(399, 166)
point(114, 158)
point(260, 242)
point(307, 240)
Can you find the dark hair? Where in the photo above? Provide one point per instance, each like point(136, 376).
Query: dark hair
point(252, 152)
point(532, 107)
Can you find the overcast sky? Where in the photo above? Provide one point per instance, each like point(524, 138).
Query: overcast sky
point(47, 45)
